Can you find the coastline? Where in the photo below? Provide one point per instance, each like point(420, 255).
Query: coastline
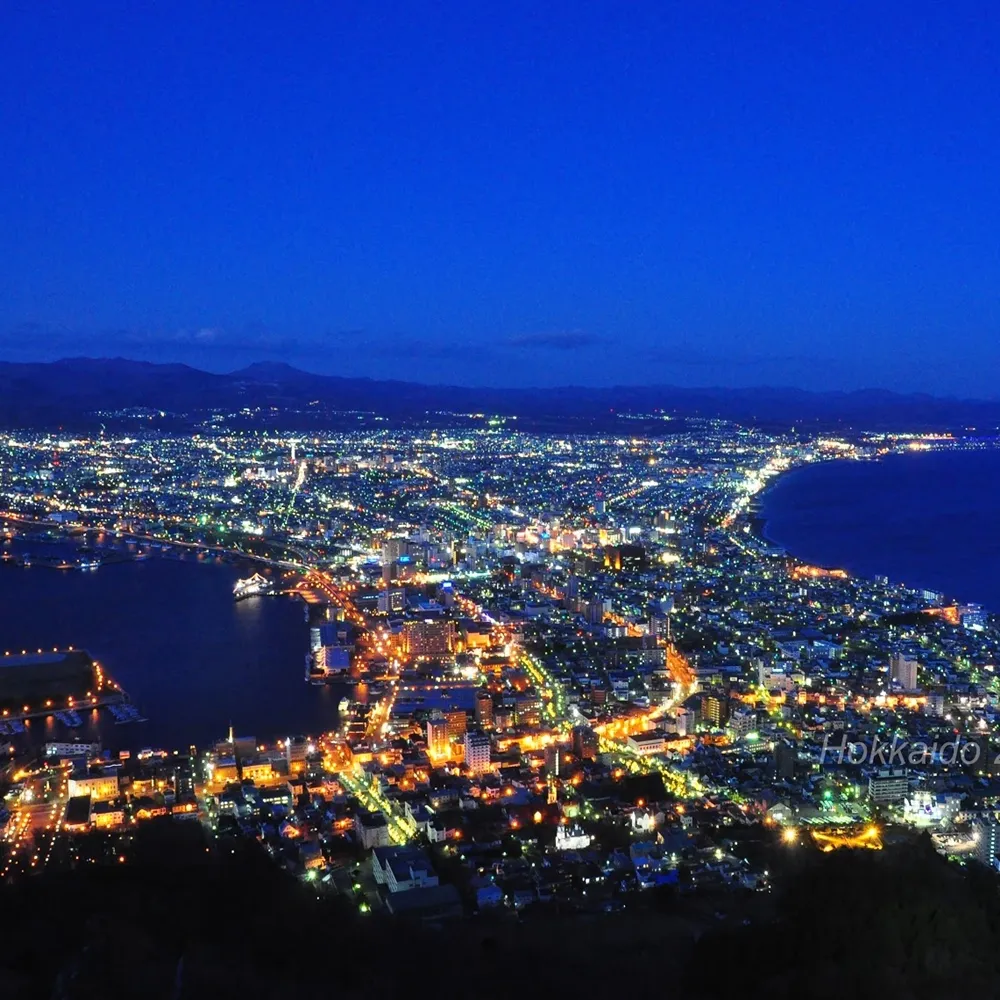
point(929, 542)
point(758, 521)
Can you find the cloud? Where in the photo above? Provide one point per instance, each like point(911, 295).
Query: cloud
point(569, 340)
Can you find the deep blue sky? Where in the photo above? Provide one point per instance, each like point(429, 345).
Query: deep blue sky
point(508, 193)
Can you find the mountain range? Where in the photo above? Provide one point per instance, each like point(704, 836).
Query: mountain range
point(82, 391)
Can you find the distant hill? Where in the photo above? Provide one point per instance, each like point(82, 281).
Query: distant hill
point(75, 390)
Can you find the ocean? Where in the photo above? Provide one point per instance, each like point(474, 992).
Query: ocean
point(169, 632)
point(926, 519)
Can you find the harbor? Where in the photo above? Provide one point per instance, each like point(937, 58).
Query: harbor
point(167, 628)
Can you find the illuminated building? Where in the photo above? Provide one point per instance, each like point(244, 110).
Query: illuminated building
point(986, 832)
point(226, 770)
point(107, 815)
point(684, 721)
point(503, 717)
point(401, 869)
point(438, 741)
point(429, 637)
point(624, 557)
point(888, 785)
point(391, 600)
point(714, 709)
point(99, 785)
point(477, 752)
point(458, 722)
point(741, 723)
point(68, 751)
point(585, 743)
point(571, 838)
point(903, 671)
point(649, 742)
point(372, 829)
point(484, 710)
point(528, 710)
point(973, 616)
point(296, 750)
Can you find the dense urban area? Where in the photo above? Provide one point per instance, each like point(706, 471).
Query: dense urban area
point(578, 680)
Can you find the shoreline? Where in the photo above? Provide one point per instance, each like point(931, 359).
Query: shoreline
point(758, 523)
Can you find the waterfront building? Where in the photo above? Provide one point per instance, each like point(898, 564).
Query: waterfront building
point(98, 783)
point(296, 751)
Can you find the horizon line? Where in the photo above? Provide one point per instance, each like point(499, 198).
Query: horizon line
point(623, 387)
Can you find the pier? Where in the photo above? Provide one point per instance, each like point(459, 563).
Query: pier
point(57, 682)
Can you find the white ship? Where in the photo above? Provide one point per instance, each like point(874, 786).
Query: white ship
point(253, 586)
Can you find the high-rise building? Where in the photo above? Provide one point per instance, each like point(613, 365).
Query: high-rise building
point(458, 722)
point(903, 672)
point(585, 744)
point(785, 757)
point(889, 784)
point(597, 609)
point(659, 626)
point(714, 709)
point(684, 720)
point(973, 616)
point(438, 741)
point(392, 599)
point(484, 710)
point(528, 710)
point(477, 752)
point(296, 748)
point(987, 834)
point(393, 549)
point(742, 722)
point(430, 637)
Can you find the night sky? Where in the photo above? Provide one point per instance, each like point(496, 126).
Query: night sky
point(697, 193)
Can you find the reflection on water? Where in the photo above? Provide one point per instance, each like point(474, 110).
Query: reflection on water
point(169, 632)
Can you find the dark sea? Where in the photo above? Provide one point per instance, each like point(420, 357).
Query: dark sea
point(926, 519)
point(169, 632)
